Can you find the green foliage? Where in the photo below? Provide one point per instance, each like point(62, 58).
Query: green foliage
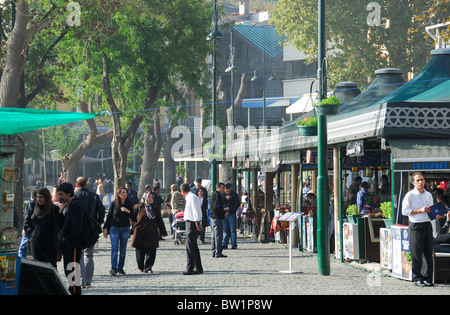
point(386, 209)
point(355, 49)
point(308, 121)
point(63, 139)
point(352, 210)
point(333, 100)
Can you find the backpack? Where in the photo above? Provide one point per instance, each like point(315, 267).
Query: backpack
point(90, 232)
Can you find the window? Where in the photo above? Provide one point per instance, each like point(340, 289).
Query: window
point(298, 69)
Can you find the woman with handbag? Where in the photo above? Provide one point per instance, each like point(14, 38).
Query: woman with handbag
point(47, 221)
point(146, 223)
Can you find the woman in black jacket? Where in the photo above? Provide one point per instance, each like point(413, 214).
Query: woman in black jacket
point(47, 221)
point(117, 225)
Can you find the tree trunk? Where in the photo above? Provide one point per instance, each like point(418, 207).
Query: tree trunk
point(152, 149)
point(169, 163)
point(226, 167)
point(15, 58)
point(70, 161)
point(119, 144)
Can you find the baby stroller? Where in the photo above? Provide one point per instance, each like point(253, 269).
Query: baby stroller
point(179, 228)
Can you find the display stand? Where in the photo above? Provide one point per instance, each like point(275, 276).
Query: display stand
point(290, 217)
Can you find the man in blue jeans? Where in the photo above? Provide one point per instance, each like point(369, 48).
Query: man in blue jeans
point(230, 202)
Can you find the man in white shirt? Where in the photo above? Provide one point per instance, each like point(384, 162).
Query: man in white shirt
point(416, 205)
point(193, 218)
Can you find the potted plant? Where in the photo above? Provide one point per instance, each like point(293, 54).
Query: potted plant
point(307, 126)
point(352, 213)
point(328, 106)
point(386, 210)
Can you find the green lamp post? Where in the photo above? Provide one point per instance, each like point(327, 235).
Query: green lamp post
point(214, 36)
point(323, 246)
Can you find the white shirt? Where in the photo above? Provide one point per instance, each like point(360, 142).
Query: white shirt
point(415, 200)
point(192, 209)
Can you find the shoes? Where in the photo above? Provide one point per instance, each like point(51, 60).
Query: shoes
point(234, 247)
point(188, 272)
point(121, 272)
point(112, 272)
point(220, 256)
point(198, 272)
point(423, 283)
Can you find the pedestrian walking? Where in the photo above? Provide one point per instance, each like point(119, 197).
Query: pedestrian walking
point(416, 205)
point(230, 202)
point(217, 215)
point(168, 205)
point(193, 218)
point(109, 190)
point(117, 225)
point(132, 194)
point(147, 225)
point(47, 221)
point(70, 241)
point(96, 210)
point(100, 189)
point(195, 190)
point(28, 226)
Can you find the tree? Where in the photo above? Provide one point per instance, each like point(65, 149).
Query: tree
point(437, 12)
point(21, 21)
point(355, 49)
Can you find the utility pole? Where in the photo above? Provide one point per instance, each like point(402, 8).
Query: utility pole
point(323, 245)
point(214, 36)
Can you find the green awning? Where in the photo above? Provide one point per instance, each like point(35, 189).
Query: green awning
point(440, 93)
point(18, 120)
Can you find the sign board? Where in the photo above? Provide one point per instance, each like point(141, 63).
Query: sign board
point(290, 216)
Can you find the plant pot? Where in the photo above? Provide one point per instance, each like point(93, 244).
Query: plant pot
point(327, 109)
point(353, 218)
point(307, 130)
point(387, 223)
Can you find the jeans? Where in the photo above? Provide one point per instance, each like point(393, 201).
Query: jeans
point(229, 230)
point(119, 238)
point(23, 247)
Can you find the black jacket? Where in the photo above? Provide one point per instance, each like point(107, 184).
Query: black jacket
point(232, 203)
point(73, 225)
point(94, 206)
point(117, 217)
point(216, 211)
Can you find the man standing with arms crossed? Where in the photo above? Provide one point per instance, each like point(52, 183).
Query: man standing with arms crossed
point(416, 205)
point(193, 218)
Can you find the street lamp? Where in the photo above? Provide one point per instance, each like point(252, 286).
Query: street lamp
point(214, 36)
point(323, 246)
point(232, 68)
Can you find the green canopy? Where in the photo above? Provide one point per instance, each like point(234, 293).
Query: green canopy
point(440, 93)
point(18, 120)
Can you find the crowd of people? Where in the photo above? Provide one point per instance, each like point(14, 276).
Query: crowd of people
point(53, 223)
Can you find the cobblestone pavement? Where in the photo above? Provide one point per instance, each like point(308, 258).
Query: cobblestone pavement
point(252, 269)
